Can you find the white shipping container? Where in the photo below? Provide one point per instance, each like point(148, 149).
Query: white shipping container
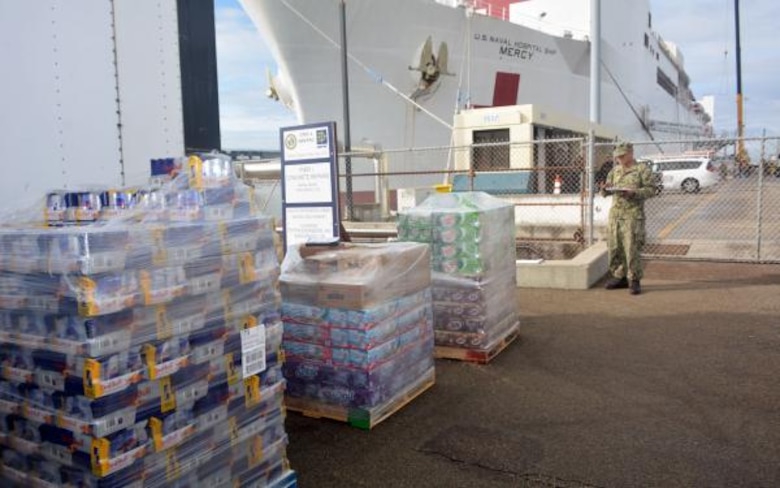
point(90, 92)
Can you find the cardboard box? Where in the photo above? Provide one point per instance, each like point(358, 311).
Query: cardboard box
point(355, 276)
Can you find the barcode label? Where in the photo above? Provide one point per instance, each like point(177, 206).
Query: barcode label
point(253, 362)
point(253, 350)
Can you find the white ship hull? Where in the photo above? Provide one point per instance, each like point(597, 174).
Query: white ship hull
point(386, 37)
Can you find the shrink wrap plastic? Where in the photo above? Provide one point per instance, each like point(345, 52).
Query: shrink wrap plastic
point(472, 239)
point(357, 322)
point(141, 342)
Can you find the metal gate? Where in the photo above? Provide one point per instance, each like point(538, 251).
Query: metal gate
point(713, 204)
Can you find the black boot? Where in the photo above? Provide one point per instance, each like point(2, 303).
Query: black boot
point(636, 289)
point(616, 283)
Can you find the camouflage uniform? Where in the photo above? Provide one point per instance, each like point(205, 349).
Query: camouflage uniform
point(626, 228)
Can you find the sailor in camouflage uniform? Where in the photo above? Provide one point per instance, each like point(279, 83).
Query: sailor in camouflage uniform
point(630, 184)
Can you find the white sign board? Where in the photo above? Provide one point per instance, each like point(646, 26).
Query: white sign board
point(310, 194)
point(308, 225)
point(308, 183)
point(306, 143)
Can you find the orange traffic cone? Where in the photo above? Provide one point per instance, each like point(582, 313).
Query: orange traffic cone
point(557, 185)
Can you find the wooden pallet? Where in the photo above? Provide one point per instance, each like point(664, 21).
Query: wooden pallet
point(362, 418)
point(481, 356)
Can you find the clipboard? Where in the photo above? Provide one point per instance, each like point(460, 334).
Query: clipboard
point(614, 190)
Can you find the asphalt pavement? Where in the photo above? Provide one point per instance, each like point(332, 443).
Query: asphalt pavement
point(677, 387)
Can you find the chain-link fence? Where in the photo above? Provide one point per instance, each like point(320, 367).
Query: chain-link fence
point(715, 199)
point(547, 181)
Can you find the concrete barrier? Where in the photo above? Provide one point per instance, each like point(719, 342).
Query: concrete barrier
point(578, 273)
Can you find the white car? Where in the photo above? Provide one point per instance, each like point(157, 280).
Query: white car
point(689, 174)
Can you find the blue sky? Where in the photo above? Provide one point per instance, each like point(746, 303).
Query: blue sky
point(248, 119)
point(703, 29)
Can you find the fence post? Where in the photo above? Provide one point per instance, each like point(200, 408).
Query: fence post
point(589, 165)
point(472, 172)
point(760, 198)
point(384, 185)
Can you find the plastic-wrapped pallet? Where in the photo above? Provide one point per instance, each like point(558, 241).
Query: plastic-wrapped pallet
point(358, 330)
point(472, 238)
point(141, 343)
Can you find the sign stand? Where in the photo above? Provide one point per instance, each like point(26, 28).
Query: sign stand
point(310, 184)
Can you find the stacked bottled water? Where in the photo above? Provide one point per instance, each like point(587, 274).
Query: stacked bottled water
point(472, 239)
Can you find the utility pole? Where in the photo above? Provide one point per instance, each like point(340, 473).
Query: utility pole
point(595, 61)
point(595, 107)
point(345, 92)
point(741, 156)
